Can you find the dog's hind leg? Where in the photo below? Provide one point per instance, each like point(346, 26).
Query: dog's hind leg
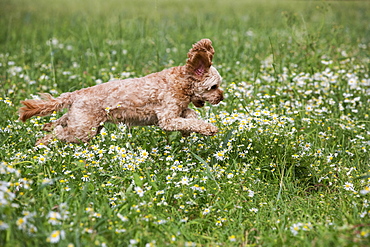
point(81, 127)
point(76, 127)
point(61, 121)
point(45, 140)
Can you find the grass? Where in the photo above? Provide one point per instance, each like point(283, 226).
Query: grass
point(289, 167)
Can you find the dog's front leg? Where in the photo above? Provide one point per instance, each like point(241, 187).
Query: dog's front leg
point(188, 113)
point(186, 123)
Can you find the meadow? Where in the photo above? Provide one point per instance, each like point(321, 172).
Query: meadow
point(290, 165)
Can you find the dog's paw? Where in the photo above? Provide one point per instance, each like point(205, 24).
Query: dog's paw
point(44, 140)
point(209, 130)
point(185, 133)
point(48, 127)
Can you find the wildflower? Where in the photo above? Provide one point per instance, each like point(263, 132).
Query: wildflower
point(307, 147)
point(56, 236)
point(160, 222)
point(89, 210)
point(184, 220)
point(85, 178)
point(206, 211)
point(309, 108)
point(159, 192)
point(329, 158)
point(318, 153)
point(144, 154)
point(190, 244)
point(121, 217)
point(151, 244)
point(363, 214)
point(365, 191)
point(178, 196)
point(220, 155)
point(232, 238)
point(125, 74)
point(31, 229)
point(120, 230)
point(97, 215)
point(42, 159)
point(295, 228)
point(139, 191)
point(257, 114)
point(254, 210)
point(47, 181)
point(8, 102)
point(307, 226)
point(348, 186)
point(265, 112)
point(184, 181)
point(113, 137)
point(21, 223)
point(3, 225)
point(54, 218)
point(364, 234)
point(295, 156)
point(326, 62)
point(133, 241)
point(6, 196)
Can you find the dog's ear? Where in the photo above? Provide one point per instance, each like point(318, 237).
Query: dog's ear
point(200, 58)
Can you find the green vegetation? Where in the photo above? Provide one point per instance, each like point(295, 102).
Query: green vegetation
point(289, 167)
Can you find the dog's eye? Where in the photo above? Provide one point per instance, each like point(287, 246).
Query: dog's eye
point(213, 87)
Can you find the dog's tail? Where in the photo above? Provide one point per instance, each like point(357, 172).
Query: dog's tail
point(45, 106)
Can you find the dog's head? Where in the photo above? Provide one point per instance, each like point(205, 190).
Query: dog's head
point(207, 80)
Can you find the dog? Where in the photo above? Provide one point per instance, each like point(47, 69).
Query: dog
point(160, 99)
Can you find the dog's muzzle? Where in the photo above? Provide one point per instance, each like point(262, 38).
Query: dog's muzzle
point(218, 99)
point(214, 101)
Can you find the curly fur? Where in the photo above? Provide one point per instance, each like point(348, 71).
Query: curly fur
point(160, 99)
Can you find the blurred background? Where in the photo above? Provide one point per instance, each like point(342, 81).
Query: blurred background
point(146, 35)
point(64, 45)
